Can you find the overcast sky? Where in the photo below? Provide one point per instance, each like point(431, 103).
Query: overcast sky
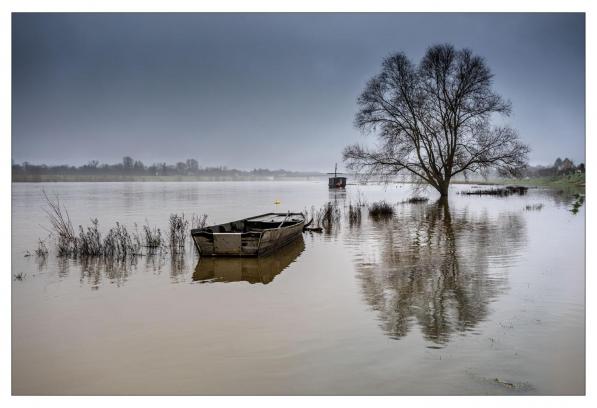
point(265, 90)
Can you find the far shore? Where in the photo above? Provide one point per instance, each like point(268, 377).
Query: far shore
point(573, 181)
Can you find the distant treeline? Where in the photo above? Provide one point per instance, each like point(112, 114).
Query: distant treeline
point(560, 167)
point(131, 169)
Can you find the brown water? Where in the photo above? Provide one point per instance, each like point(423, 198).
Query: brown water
point(478, 296)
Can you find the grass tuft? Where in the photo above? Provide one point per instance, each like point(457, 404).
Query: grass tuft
point(380, 210)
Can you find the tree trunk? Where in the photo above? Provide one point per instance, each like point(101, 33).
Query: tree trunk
point(443, 188)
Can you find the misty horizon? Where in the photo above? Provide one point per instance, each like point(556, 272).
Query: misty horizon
point(273, 91)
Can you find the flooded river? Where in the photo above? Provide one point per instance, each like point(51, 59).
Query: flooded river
point(479, 295)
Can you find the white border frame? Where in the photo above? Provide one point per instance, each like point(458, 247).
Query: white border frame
point(9, 6)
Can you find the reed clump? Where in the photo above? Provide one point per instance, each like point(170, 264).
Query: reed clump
point(178, 232)
point(61, 225)
point(415, 200)
point(327, 216)
point(380, 210)
point(198, 221)
point(89, 242)
point(119, 243)
point(152, 237)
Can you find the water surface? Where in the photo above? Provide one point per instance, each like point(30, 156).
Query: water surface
point(474, 296)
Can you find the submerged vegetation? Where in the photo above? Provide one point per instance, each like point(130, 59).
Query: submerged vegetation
point(119, 243)
point(153, 237)
point(380, 210)
point(324, 218)
point(501, 191)
point(533, 207)
point(179, 227)
point(354, 214)
point(415, 200)
point(579, 201)
point(327, 216)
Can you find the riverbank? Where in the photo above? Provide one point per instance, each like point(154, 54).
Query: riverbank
point(572, 181)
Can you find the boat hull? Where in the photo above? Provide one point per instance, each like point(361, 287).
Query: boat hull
point(249, 243)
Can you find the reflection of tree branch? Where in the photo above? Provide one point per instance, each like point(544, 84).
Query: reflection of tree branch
point(433, 270)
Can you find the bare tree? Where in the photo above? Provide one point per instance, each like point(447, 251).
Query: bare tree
point(127, 162)
point(433, 121)
point(192, 165)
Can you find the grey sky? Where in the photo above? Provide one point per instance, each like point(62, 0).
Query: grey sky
point(265, 90)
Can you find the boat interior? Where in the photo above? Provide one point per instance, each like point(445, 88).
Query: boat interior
point(256, 224)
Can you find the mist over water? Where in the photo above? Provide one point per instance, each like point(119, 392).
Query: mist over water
point(468, 296)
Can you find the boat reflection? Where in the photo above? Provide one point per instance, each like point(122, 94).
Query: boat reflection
point(253, 270)
point(436, 269)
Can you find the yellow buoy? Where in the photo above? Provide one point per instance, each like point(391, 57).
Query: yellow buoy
point(277, 202)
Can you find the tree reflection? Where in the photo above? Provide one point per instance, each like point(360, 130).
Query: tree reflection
point(437, 269)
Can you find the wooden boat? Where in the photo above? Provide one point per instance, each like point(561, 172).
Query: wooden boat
point(261, 269)
point(249, 237)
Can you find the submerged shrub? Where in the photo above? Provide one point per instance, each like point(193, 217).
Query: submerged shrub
point(501, 192)
point(381, 209)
